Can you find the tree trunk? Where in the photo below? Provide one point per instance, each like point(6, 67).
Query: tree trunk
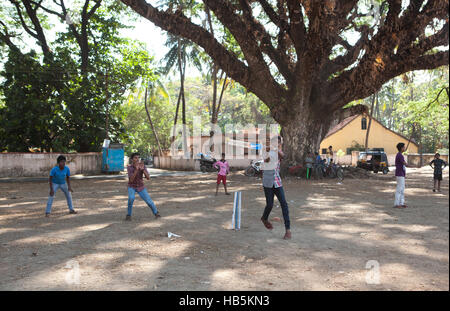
point(303, 132)
point(370, 123)
point(420, 146)
point(182, 69)
point(176, 117)
point(301, 136)
point(107, 105)
point(151, 124)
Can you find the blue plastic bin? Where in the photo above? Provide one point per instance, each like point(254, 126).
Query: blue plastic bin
point(113, 158)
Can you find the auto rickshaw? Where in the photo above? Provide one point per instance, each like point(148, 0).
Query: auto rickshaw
point(373, 160)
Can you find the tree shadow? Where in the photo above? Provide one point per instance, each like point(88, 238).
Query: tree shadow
point(337, 229)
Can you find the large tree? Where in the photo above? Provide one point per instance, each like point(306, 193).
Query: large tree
point(66, 95)
point(298, 59)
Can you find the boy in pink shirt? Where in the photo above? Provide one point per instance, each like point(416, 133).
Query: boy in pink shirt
point(222, 176)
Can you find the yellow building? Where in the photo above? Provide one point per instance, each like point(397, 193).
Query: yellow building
point(353, 131)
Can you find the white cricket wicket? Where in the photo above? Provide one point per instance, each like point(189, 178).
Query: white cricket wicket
point(236, 220)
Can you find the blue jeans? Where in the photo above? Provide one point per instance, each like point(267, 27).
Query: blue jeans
point(144, 195)
point(279, 192)
point(66, 192)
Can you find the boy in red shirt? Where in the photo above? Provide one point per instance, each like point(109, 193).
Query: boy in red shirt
point(136, 172)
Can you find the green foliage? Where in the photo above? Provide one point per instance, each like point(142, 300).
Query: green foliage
point(238, 107)
point(52, 105)
point(416, 105)
point(29, 116)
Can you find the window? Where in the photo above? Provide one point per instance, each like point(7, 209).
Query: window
point(324, 151)
point(364, 124)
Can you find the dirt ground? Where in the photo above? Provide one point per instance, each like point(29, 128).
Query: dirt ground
point(343, 235)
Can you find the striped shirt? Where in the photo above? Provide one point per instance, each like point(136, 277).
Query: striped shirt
point(277, 182)
point(271, 171)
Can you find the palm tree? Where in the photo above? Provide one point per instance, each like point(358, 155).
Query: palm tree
point(153, 88)
point(180, 53)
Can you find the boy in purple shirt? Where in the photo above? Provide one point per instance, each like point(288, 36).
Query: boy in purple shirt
point(224, 169)
point(400, 173)
point(136, 172)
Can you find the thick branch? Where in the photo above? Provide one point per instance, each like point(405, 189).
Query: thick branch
point(364, 81)
point(39, 32)
point(179, 25)
point(278, 57)
point(245, 34)
point(297, 26)
point(22, 20)
point(39, 5)
point(6, 37)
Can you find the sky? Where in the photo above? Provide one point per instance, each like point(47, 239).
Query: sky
point(147, 32)
point(154, 38)
point(143, 30)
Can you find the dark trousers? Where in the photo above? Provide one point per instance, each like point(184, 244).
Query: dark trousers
point(279, 192)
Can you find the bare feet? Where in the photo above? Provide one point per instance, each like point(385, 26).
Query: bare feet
point(267, 224)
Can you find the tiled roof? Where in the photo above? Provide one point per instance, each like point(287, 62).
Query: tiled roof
point(346, 121)
point(341, 125)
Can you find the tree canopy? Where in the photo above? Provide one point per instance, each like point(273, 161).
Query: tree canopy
point(297, 56)
point(65, 97)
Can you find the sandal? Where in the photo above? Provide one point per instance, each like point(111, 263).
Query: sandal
point(267, 224)
point(287, 235)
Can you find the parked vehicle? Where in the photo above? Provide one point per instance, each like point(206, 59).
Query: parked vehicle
point(254, 169)
point(332, 170)
point(148, 161)
point(373, 160)
point(206, 164)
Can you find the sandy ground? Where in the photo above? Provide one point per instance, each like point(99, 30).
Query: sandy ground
point(345, 237)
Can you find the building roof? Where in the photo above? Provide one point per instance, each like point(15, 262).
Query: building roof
point(348, 120)
point(341, 125)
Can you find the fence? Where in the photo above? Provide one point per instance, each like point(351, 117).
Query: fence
point(14, 164)
point(193, 165)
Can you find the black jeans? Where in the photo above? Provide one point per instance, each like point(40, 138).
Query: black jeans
point(279, 192)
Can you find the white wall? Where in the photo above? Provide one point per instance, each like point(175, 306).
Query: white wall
point(194, 165)
point(39, 164)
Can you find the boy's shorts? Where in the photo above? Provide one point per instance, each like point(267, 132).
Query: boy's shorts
point(438, 177)
point(222, 178)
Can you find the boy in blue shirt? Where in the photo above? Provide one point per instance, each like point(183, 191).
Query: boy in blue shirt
point(57, 180)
